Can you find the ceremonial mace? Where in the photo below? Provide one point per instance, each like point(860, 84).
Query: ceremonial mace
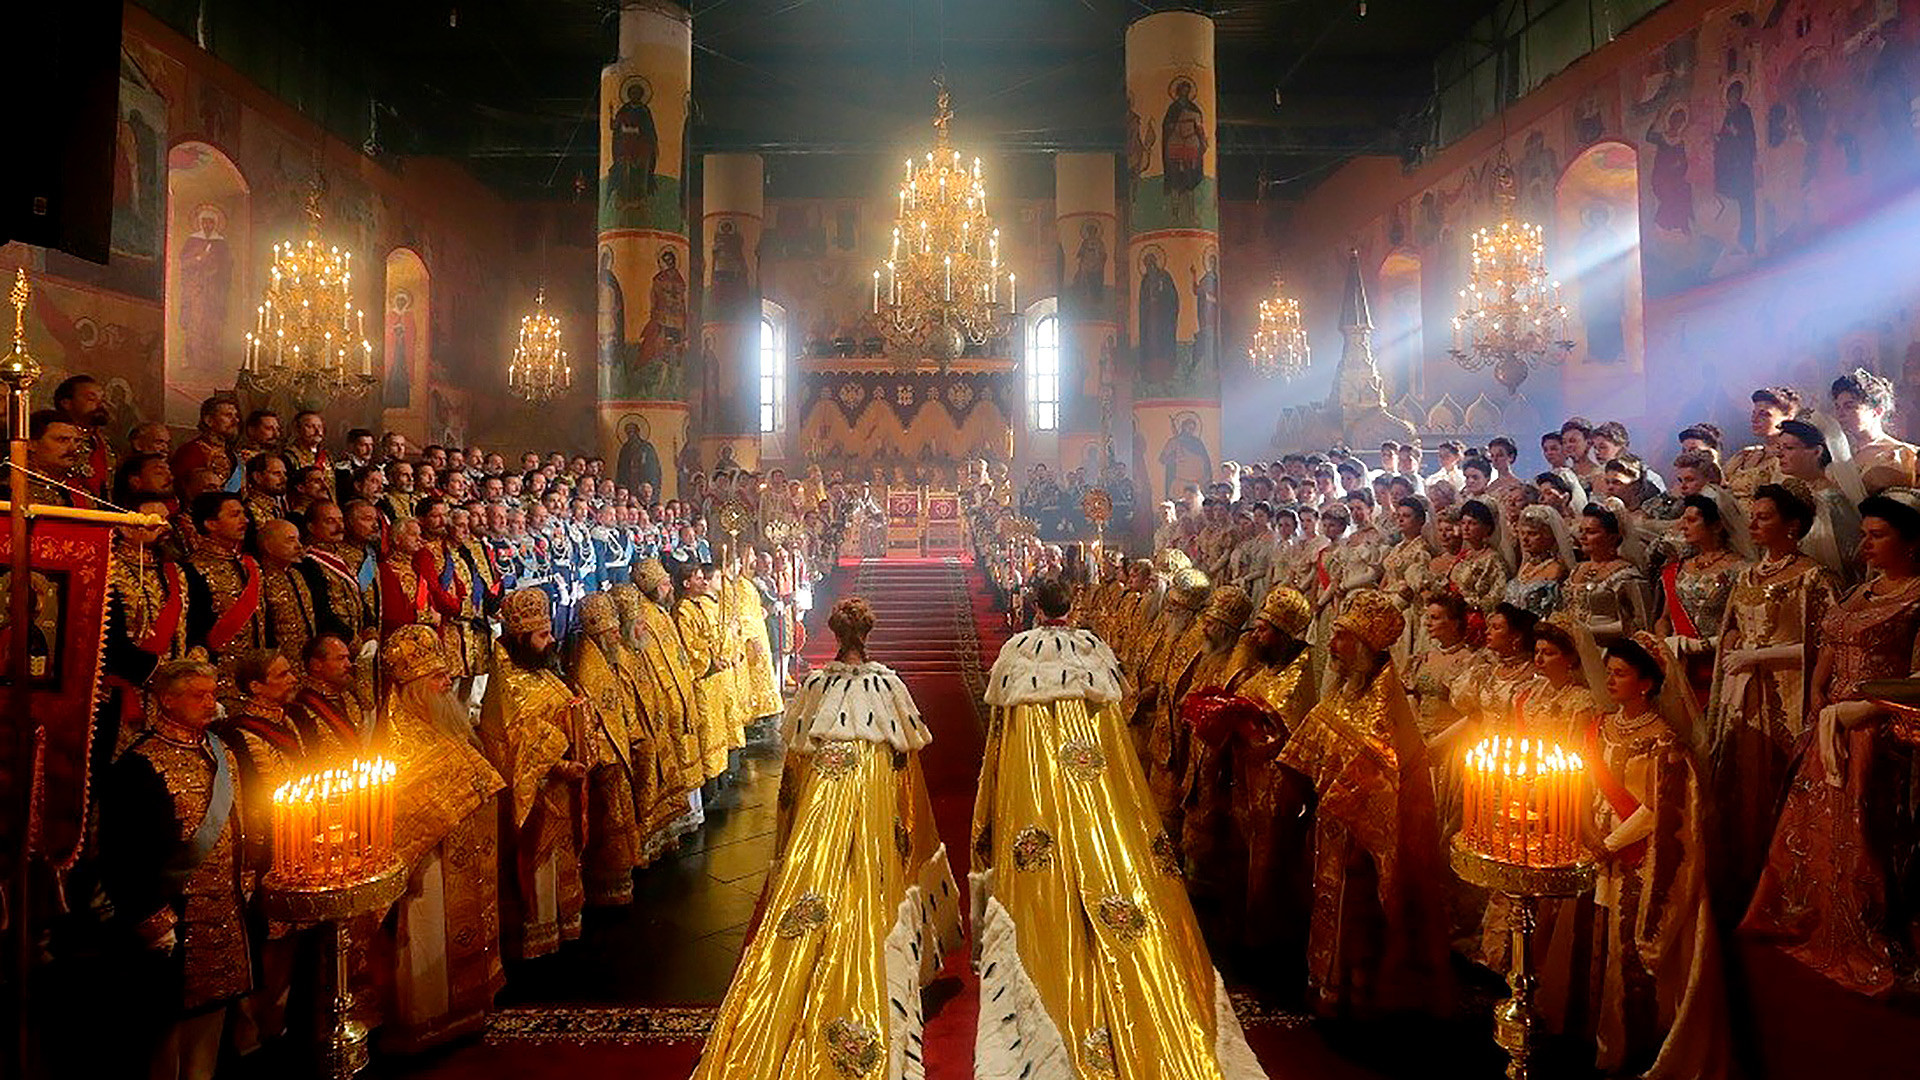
point(19, 370)
point(1097, 506)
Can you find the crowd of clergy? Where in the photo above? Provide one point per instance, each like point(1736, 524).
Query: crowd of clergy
point(1317, 640)
point(562, 668)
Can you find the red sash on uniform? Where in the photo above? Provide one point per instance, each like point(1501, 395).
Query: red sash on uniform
point(1676, 611)
point(1320, 569)
point(323, 711)
point(97, 472)
point(287, 742)
point(1615, 792)
point(228, 626)
point(166, 622)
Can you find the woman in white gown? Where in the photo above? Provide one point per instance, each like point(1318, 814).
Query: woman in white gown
point(860, 904)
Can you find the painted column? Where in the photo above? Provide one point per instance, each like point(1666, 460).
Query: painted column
point(1089, 309)
point(729, 360)
point(1173, 252)
point(643, 263)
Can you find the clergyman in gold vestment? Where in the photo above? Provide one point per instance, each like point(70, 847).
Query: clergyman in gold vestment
point(529, 726)
point(447, 832)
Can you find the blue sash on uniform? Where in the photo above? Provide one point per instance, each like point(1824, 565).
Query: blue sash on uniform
point(198, 846)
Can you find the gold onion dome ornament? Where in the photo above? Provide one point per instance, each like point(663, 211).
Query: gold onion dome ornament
point(1279, 345)
point(941, 288)
point(539, 371)
point(308, 338)
point(1511, 317)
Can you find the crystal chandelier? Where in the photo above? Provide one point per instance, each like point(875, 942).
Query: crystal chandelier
point(1511, 316)
point(307, 336)
point(941, 289)
point(539, 370)
point(1279, 345)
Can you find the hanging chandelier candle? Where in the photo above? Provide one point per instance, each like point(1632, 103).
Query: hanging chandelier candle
point(1511, 317)
point(308, 338)
point(941, 287)
point(539, 371)
point(1279, 345)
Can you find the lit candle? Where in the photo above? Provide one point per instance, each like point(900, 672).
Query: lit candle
point(1469, 769)
point(876, 292)
point(949, 278)
point(1013, 292)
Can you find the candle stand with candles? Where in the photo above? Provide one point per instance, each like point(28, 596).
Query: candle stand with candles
point(333, 861)
point(1526, 801)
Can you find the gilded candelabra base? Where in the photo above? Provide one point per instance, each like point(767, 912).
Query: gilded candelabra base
point(1516, 1021)
point(341, 1048)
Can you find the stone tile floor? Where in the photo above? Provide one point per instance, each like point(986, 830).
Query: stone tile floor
point(679, 941)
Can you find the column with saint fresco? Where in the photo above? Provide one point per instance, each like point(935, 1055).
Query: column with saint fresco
point(1089, 311)
point(643, 265)
point(728, 363)
point(1172, 269)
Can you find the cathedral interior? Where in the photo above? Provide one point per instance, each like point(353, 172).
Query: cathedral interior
point(529, 520)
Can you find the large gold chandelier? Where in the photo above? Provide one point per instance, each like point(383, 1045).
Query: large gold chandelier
point(1511, 316)
point(941, 289)
point(539, 371)
point(308, 338)
point(1279, 345)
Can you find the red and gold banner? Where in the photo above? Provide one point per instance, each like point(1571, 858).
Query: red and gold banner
point(67, 613)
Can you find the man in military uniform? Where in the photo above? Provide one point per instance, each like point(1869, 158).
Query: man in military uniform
point(293, 613)
point(332, 570)
point(212, 446)
point(332, 706)
point(266, 487)
point(81, 401)
point(225, 613)
point(171, 861)
point(53, 459)
point(613, 547)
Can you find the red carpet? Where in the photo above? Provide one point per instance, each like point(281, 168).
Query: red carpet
point(934, 623)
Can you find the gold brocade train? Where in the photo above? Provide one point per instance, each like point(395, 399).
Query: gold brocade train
point(1090, 960)
point(861, 905)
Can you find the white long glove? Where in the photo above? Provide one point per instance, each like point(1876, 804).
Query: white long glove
point(1835, 719)
point(1738, 660)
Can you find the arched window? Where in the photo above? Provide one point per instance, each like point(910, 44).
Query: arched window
point(1397, 339)
point(1597, 236)
point(773, 367)
point(1043, 366)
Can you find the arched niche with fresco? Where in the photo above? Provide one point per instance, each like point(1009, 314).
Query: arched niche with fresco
point(1596, 253)
point(405, 342)
point(208, 310)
